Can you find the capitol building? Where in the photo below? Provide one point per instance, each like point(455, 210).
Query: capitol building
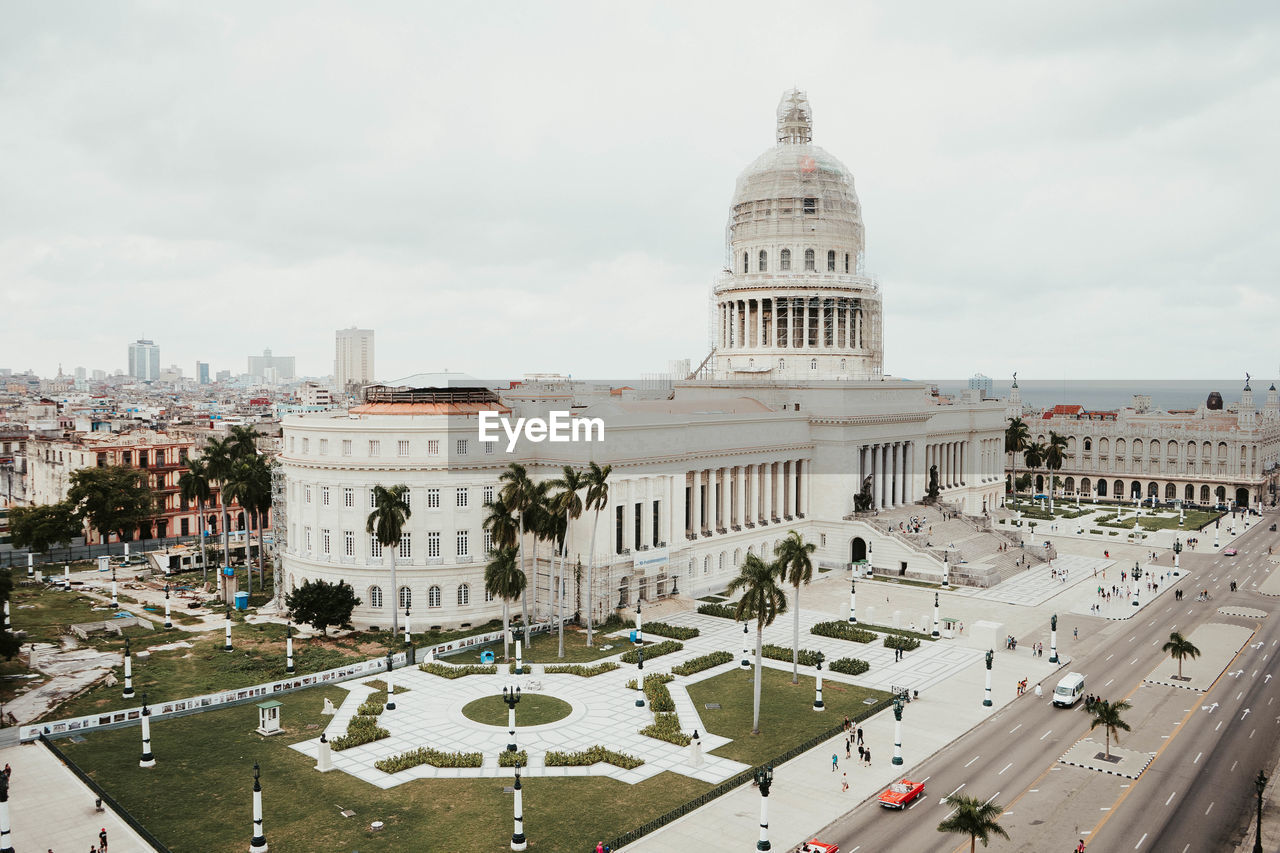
point(790, 423)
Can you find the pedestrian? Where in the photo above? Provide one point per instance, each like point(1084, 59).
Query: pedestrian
point(848, 747)
point(599, 847)
point(7, 771)
point(1075, 632)
point(859, 735)
point(102, 839)
point(835, 762)
point(862, 752)
point(844, 783)
point(866, 755)
point(847, 724)
point(1039, 692)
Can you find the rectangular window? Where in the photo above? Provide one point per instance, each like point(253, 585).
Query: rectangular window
point(488, 446)
point(407, 499)
point(324, 496)
point(306, 445)
point(324, 541)
point(464, 543)
point(433, 447)
point(488, 494)
point(373, 499)
point(307, 492)
point(324, 447)
point(657, 518)
point(462, 446)
point(306, 538)
point(159, 457)
point(462, 497)
point(406, 546)
point(346, 447)
point(433, 543)
point(375, 547)
point(402, 448)
point(349, 543)
point(433, 498)
point(375, 447)
point(811, 206)
point(348, 497)
point(126, 457)
point(488, 541)
point(617, 529)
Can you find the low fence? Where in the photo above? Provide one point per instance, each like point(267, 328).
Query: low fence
point(742, 778)
point(258, 692)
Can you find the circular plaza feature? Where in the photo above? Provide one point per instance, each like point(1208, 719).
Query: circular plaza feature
point(533, 710)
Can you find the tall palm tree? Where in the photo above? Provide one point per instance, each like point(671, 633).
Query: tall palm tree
point(762, 600)
point(542, 524)
point(517, 495)
point(245, 485)
point(796, 568)
point(568, 504)
point(597, 480)
point(1108, 715)
point(1016, 438)
point(219, 457)
point(973, 818)
point(193, 484)
point(1034, 455)
point(386, 523)
point(244, 445)
point(1054, 458)
point(1180, 647)
point(503, 579)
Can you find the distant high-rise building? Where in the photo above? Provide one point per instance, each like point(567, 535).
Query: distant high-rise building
point(202, 372)
point(144, 360)
point(99, 375)
point(81, 374)
point(224, 376)
point(273, 368)
point(978, 382)
point(353, 358)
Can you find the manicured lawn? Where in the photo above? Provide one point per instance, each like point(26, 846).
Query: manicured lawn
point(532, 710)
point(787, 717)
point(543, 648)
point(198, 797)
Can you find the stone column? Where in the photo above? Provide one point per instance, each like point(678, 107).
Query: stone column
point(882, 463)
point(739, 496)
point(646, 511)
point(767, 508)
point(696, 496)
point(713, 499)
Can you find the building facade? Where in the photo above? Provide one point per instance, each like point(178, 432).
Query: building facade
point(272, 368)
point(144, 360)
point(353, 358)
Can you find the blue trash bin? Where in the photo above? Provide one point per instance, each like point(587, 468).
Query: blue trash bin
point(242, 601)
point(486, 657)
point(633, 635)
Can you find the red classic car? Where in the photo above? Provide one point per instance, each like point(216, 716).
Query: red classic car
point(816, 846)
point(900, 794)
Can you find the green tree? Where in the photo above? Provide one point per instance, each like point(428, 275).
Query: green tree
point(762, 600)
point(973, 818)
point(517, 495)
point(41, 527)
point(597, 479)
point(1034, 455)
point(503, 579)
point(249, 484)
point(321, 604)
point(1179, 647)
point(112, 499)
point(386, 524)
point(544, 526)
point(566, 503)
point(1108, 715)
point(1054, 458)
point(1016, 439)
point(795, 568)
point(193, 485)
point(219, 456)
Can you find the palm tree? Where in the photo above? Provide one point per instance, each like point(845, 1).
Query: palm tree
point(503, 579)
point(1016, 438)
point(1034, 455)
point(597, 481)
point(244, 445)
point(542, 524)
point(1180, 647)
point(973, 818)
point(245, 485)
point(796, 568)
point(517, 495)
point(193, 484)
point(568, 504)
point(762, 600)
point(386, 523)
point(1054, 457)
point(1107, 715)
point(219, 457)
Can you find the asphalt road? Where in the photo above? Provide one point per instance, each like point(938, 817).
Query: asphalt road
point(1196, 795)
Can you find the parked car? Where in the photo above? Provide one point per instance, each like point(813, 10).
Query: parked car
point(1229, 552)
point(816, 846)
point(900, 794)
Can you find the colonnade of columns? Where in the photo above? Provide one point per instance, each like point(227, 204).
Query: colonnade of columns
point(737, 496)
point(952, 459)
point(891, 467)
point(644, 502)
point(792, 322)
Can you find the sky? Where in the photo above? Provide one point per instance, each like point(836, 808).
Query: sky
point(1086, 189)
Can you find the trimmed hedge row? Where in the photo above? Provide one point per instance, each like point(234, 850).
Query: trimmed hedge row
point(724, 611)
point(900, 632)
point(842, 631)
point(457, 671)
point(423, 755)
point(655, 690)
point(807, 657)
point(698, 664)
point(593, 755)
point(849, 666)
point(666, 647)
point(907, 644)
point(666, 727)
point(360, 730)
point(579, 669)
point(506, 758)
point(675, 632)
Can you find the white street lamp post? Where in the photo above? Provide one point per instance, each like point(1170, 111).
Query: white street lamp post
point(227, 646)
point(512, 698)
point(897, 729)
point(1053, 638)
point(168, 619)
point(518, 841)
point(259, 842)
point(853, 602)
point(128, 670)
point(147, 760)
point(764, 779)
point(746, 648)
point(391, 690)
point(817, 702)
point(936, 633)
point(986, 702)
point(288, 650)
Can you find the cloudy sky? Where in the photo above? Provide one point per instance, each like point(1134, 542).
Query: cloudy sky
point(1086, 189)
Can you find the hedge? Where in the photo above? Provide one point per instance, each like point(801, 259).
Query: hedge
point(423, 755)
point(907, 644)
point(666, 647)
point(807, 657)
point(842, 631)
point(592, 755)
point(724, 611)
point(655, 690)
point(457, 671)
point(507, 758)
point(901, 632)
point(849, 666)
point(579, 669)
point(675, 632)
point(698, 664)
point(666, 727)
point(360, 730)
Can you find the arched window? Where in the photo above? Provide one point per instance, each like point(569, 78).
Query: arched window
point(763, 265)
point(813, 364)
point(1088, 445)
point(375, 596)
point(784, 260)
point(737, 557)
point(782, 364)
point(722, 561)
point(831, 260)
point(1204, 494)
point(464, 595)
point(706, 564)
point(746, 262)
point(406, 597)
point(809, 260)
point(433, 596)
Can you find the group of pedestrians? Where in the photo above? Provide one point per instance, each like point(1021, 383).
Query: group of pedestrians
point(853, 737)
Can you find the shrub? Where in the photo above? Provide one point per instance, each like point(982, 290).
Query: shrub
point(724, 611)
point(579, 669)
point(423, 755)
point(370, 708)
point(592, 755)
point(666, 727)
point(698, 664)
point(506, 758)
point(901, 632)
point(675, 632)
point(807, 657)
point(666, 647)
point(360, 730)
point(849, 666)
point(907, 644)
point(445, 671)
point(842, 631)
point(1095, 531)
point(655, 689)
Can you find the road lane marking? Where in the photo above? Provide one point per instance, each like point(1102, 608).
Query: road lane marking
point(1132, 662)
point(962, 784)
point(1010, 764)
point(1206, 811)
point(1046, 734)
point(1140, 840)
point(1233, 766)
point(1171, 796)
point(992, 797)
point(1218, 726)
point(1015, 728)
point(1110, 656)
point(971, 760)
point(1197, 758)
point(1252, 733)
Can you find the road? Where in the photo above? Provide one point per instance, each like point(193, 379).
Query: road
point(1195, 796)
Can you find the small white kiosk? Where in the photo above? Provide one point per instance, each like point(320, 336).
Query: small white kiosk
point(269, 718)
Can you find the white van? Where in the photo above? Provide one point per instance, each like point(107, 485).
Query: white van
point(1069, 690)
